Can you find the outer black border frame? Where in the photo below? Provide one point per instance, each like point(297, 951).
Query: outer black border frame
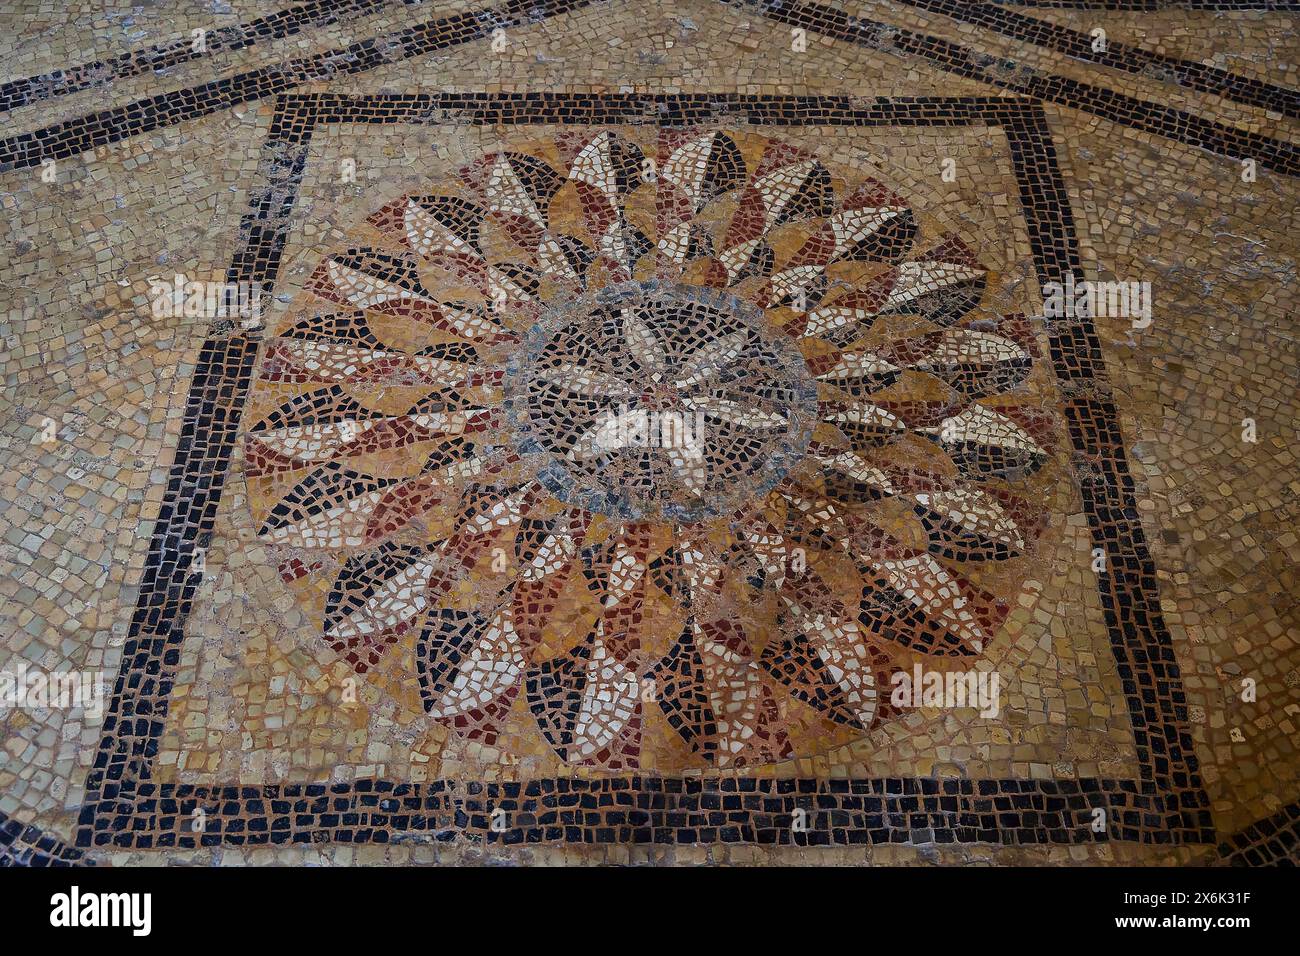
point(73, 136)
point(1166, 804)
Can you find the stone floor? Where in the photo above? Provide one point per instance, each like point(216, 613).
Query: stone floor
point(701, 432)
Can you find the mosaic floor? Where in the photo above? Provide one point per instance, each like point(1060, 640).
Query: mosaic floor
point(707, 432)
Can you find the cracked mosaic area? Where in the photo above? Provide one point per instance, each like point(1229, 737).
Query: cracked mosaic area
point(639, 398)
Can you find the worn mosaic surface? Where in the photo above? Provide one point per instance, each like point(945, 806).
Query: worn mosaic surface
point(576, 433)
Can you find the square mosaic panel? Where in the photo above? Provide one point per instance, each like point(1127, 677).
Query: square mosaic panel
point(596, 488)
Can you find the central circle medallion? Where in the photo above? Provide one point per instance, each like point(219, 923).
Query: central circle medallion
point(656, 400)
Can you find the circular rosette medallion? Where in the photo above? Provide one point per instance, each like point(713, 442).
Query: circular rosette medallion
point(653, 449)
point(651, 401)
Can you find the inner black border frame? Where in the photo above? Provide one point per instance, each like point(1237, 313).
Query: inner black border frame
point(1166, 804)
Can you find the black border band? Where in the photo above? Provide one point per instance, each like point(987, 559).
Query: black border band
point(68, 138)
point(1167, 804)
